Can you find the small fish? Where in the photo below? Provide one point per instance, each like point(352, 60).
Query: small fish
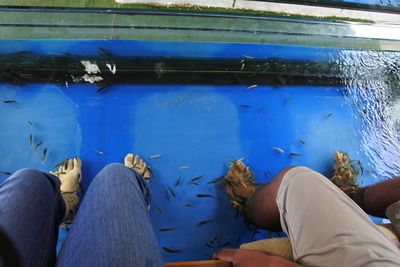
point(178, 182)
point(204, 222)
point(329, 115)
point(245, 106)
point(237, 213)
point(251, 86)
point(371, 171)
point(5, 173)
point(30, 123)
point(155, 156)
point(224, 244)
point(169, 250)
point(44, 154)
point(268, 173)
point(66, 227)
point(9, 101)
point(237, 241)
point(250, 57)
point(188, 205)
point(166, 229)
point(287, 100)
point(184, 167)
point(215, 239)
point(270, 234)
point(254, 232)
point(216, 180)
point(295, 154)
point(171, 191)
point(361, 167)
point(242, 66)
point(279, 149)
point(194, 183)
point(37, 145)
point(60, 163)
point(260, 110)
point(302, 142)
point(30, 139)
point(209, 246)
point(158, 208)
point(100, 152)
point(196, 178)
point(204, 195)
point(102, 88)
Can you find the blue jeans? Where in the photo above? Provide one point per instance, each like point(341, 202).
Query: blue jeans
point(112, 227)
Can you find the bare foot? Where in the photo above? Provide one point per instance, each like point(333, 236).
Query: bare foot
point(344, 173)
point(136, 163)
point(70, 175)
point(240, 185)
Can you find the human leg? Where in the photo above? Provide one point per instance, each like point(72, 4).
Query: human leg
point(257, 205)
point(31, 209)
point(112, 227)
point(325, 227)
point(382, 200)
point(374, 199)
point(262, 207)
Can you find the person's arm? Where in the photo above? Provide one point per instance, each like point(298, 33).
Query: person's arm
point(251, 258)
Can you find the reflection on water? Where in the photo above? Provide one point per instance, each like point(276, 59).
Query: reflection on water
point(372, 86)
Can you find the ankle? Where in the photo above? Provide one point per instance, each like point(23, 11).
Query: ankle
point(358, 196)
point(71, 206)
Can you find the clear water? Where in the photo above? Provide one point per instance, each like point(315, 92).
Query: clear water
point(204, 126)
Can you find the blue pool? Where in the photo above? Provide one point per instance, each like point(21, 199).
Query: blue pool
point(205, 126)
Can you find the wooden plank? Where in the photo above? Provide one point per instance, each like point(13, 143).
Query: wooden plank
point(211, 263)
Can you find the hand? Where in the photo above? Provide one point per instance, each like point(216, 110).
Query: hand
point(251, 258)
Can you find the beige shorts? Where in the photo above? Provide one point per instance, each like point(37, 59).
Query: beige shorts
point(326, 228)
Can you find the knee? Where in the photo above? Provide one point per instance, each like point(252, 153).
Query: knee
point(284, 171)
point(295, 169)
point(299, 175)
point(34, 178)
point(29, 174)
point(278, 179)
point(113, 172)
point(114, 167)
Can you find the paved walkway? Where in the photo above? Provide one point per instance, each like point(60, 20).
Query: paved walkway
point(294, 9)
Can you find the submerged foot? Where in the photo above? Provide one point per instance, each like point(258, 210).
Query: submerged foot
point(240, 185)
point(70, 175)
point(344, 173)
point(136, 163)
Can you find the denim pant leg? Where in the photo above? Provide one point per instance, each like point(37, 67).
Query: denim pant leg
point(112, 227)
point(31, 209)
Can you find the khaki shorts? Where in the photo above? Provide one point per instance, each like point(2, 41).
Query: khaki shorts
point(326, 228)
